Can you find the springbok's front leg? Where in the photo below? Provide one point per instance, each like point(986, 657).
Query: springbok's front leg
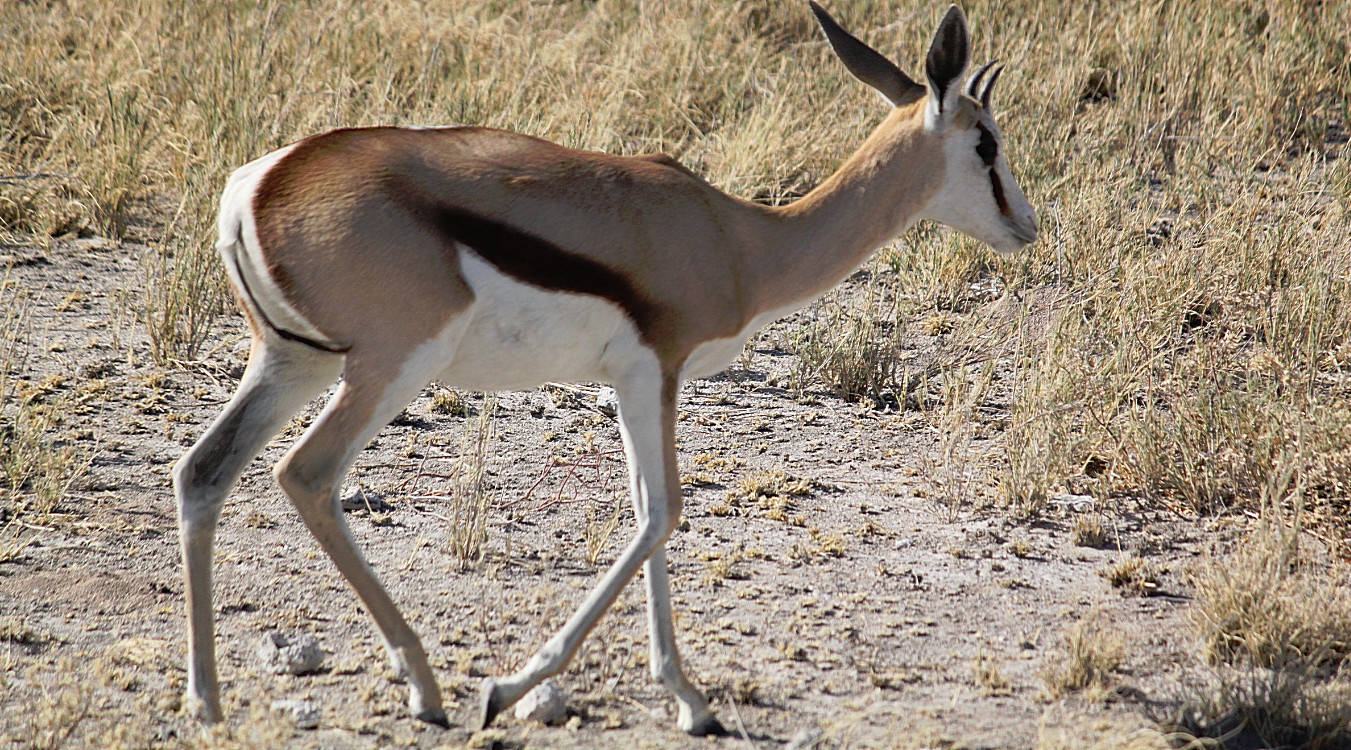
point(648, 409)
point(693, 714)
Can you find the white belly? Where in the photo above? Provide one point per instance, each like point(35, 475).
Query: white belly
point(521, 336)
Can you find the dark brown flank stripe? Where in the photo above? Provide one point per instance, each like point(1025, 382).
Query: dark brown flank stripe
point(526, 257)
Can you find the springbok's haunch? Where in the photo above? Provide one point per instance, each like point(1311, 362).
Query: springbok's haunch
point(492, 260)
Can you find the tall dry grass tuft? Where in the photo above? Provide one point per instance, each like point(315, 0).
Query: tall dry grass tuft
point(1289, 705)
point(854, 349)
point(468, 533)
point(1269, 603)
point(1090, 654)
point(1274, 621)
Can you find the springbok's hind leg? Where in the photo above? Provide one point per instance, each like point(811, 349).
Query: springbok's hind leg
point(281, 377)
point(312, 473)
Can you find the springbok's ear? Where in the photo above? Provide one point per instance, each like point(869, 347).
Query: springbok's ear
point(946, 63)
point(867, 64)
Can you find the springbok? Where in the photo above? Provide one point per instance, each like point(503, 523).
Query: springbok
point(492, 260)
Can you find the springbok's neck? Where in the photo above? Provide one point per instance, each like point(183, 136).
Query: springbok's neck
point(872, 198)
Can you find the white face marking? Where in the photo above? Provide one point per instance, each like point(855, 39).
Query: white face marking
point(967, 201)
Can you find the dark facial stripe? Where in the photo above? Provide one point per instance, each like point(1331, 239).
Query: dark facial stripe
point(988, 151)
point(527, 257)
point(997, 188)
point(988, 148)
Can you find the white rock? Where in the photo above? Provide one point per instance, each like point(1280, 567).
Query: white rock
point(1079, 503)
point(607, 401)
point(804, 739)
point(281, 654)
point(305, 714)
point(362, 499)
point(545, 704)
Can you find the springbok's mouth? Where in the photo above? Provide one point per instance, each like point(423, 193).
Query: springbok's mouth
point(1024, 233)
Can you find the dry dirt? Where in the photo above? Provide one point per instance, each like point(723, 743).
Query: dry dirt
point(863, 608)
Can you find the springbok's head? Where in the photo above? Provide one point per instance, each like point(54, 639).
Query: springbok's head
point(978, 195)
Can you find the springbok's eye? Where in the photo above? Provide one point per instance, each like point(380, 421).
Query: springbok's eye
point(988, 148)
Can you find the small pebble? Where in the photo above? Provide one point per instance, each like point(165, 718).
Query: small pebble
point(804, 739)
point(305, 714)
point(607, 402)
point(281, 654)
point(363, 499)
point(545, 704)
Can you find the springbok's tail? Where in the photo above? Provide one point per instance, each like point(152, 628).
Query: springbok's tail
point(245, 276)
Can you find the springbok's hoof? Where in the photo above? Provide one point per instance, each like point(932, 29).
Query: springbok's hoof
point(709, 726)
point(490, 702)
point(206, 711)
point(435, 716)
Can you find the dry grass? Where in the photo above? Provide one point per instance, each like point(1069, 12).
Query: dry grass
point(774, 493)
point(1251, 706)
point(468, 511)
point(37, 467)
point(1273, 621)
point(1270, 603)
point(1076, 732)
point(989, 675)
point(949, 471)
point(855, 352)
point(1089, 656)
point(601, 524)
point(1133, 575)
point(68, 713)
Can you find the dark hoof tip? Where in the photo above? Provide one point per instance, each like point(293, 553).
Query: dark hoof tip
point(710, 727)
point(490, 702)
point(435, 716)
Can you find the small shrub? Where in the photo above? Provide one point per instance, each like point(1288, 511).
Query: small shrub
point(1133, 575)
point(1089, 531)
point(1090, 653)
point(450, 402)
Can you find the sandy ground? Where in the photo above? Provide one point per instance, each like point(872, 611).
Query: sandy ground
point(865, 610)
